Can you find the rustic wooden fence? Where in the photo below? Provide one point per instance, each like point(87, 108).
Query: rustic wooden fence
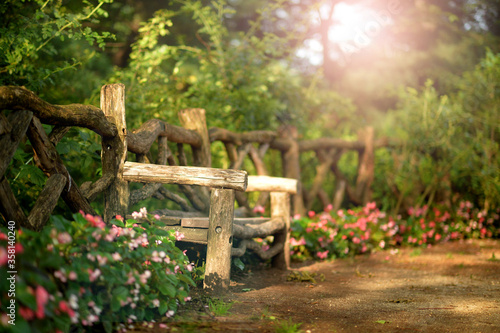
point(29, 112)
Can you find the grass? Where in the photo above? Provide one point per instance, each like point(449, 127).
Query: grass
point(219, 307)
point(287, 326)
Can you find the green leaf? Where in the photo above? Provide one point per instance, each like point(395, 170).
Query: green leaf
point(121, 292)
point(32, 174)
point(118, 223)
point(167, 290)
point(163, 308)
point(108, 326)
point(382, 322)
point(238, 263)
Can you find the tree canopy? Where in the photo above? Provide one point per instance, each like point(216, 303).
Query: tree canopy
point(424, 73)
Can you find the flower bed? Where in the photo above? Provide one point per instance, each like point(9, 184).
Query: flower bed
point(329, 234)
point(83, 274)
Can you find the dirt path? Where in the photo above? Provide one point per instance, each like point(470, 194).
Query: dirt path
point(453, 287)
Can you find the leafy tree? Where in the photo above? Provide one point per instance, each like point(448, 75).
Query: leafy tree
point(449, 143)
point(33, 34)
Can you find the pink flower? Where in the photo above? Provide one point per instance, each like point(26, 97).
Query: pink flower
point(72, 275)
point(116, 256)
point(437, 237)
point(42, 297)
point(322, 255)
point(178, 236)
point(93, 275)
point(64, 238)
point(95, 221)
point(259, 209)
point(311, 214)
point(61, 275)
point(328, 208)
point(356, 240)
point(157, 217)
point(294, 242)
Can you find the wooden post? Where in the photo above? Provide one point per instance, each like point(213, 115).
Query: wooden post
point(114, 151)
point(220, 240)
point(194, 119)
point(280, 207)
point(291, 165)
point(366, 166)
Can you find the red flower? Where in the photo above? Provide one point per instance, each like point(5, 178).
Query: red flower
point(42, 297)
point(3, 256)
point(64, 307)
point(26, 313)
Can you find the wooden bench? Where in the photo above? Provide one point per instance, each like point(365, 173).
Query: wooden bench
point(219, 229)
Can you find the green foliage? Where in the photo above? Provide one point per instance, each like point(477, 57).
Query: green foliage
point(449, 143)
point(29, 35)
point(83, 274)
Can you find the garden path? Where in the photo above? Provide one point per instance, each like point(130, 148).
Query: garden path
point(451, 287)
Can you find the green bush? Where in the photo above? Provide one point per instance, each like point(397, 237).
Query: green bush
point(82, 274)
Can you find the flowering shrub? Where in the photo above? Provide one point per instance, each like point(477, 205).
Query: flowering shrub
point(83, 274)
point(350, 232)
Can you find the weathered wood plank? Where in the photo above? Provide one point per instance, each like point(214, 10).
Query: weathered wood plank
point(167, 220)
point(166, 174)
point(192, 235)
point(9, 208)
point(202, 222)
point(271, 184)
point(220, 241)
point(46, 202)
point(17, 124)
point(114, 151)
point(47, 159)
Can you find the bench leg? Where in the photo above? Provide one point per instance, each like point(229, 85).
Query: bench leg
point(280, 207)
point(220, 240)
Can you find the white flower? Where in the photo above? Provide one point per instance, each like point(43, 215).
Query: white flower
point(73, 301)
